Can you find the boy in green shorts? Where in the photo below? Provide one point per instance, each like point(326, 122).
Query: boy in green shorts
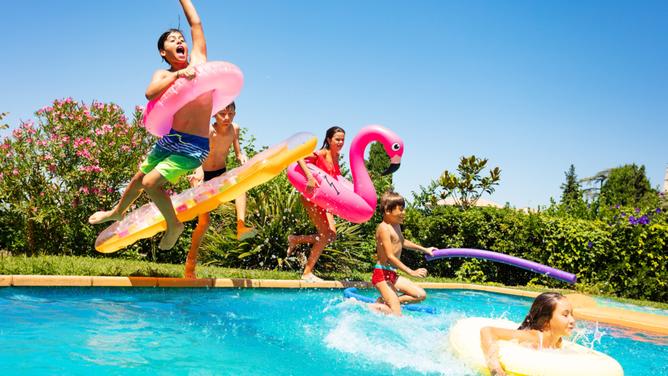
point(186, 146)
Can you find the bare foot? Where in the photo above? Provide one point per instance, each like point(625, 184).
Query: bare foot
point(169, 239)
point(291, 245)
point(190, 269)
point(104, 216)
point(311, 278)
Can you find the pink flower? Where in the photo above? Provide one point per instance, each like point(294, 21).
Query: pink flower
point(15, 172)
point(52, 167)
point(84, 189)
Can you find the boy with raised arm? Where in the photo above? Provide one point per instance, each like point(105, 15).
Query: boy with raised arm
point(186, 145)
point(224, 135)
point(389, 244)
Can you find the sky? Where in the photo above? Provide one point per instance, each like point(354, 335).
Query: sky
point(533, 86)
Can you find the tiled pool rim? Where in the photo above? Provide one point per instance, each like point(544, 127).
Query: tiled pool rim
point(584, 307)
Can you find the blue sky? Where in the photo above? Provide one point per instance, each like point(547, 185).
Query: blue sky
point(533, 86)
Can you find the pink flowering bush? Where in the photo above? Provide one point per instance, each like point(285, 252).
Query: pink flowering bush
point(56, 171)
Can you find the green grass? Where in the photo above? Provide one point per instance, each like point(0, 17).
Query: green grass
point(99, 266)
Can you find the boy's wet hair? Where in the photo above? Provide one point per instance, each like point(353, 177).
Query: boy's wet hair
point(391, 200)
point(329, 134)
point(163, 38)
point(541, 311)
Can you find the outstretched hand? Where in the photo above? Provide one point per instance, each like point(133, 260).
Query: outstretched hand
point(420, 273)
point(430, 251)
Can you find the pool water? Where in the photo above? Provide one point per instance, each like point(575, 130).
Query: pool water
point(605, 302)
point(136, 331)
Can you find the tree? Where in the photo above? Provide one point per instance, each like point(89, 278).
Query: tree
point(628, 186)
point(570, 190)
point(467, 188)
point(376, 164)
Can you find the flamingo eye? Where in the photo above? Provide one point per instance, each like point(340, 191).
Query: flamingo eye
point(396, 146)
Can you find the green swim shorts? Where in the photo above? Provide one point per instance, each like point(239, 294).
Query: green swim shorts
point(170, 165)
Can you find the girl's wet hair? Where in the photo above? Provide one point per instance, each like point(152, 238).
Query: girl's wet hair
point(541, 311)
point(391, 200)
point(163, 38)
point(330, 133)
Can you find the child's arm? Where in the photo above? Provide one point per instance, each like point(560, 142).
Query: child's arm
point(384, 238)
point(416, 247)
point(488, 341)
point(198, 52)
point(311, 183)
point(241, 157)
point(160, 82)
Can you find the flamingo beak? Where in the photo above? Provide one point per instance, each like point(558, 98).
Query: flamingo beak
point(395, 162)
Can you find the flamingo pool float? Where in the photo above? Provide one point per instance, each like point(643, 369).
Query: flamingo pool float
point(355, 202)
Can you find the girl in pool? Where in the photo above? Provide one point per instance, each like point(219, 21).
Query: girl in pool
point(550, 318)
point(327, 159)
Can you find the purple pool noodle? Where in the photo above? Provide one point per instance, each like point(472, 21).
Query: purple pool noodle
point(506, 259)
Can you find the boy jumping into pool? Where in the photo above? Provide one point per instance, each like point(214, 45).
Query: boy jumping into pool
point(389, 244)
point(223, 135)
point(186, 145)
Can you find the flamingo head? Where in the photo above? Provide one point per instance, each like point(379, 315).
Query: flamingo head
point(394, 147)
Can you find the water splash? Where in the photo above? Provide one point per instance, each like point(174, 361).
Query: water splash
point(411, 343)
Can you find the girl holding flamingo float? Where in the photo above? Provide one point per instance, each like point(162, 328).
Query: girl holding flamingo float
point(326, 193)
point(327, 159)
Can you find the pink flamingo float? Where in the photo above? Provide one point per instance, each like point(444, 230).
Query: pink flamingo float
point(355, 202)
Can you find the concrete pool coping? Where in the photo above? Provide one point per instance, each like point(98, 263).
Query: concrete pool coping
point(584, 307)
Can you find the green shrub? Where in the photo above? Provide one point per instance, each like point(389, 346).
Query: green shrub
point(625, 256)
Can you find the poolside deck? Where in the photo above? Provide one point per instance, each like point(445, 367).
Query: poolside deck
point(584, 307)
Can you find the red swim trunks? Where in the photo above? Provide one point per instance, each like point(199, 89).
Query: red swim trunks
point(380, 275)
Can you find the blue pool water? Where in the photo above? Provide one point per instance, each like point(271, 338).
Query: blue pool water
point(604, 302)
point(118, 331)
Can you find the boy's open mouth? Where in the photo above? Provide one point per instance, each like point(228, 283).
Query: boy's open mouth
point(180, 50)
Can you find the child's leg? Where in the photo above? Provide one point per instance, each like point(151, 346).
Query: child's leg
point(392, 303)
point(412, 292)
point(243, 232)
point(203, 221)
point(130, 194)
point(324, 223)
point(240, 205)
point(295, 240)
point(153, 183)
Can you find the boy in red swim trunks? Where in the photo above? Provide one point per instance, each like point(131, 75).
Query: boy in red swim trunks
point(389, 244)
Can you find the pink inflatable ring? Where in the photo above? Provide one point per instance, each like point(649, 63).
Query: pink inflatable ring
point(223, 78)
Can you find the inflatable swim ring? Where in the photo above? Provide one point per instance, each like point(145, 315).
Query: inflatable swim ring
point(351, 293)
point(355, 202)
point(223, 78)
point(572, 359)
point(147, 220)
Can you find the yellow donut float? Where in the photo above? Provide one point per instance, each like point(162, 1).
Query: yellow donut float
point(147, 220)
point(572, 359)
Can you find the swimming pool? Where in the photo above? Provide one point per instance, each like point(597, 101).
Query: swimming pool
point(142, 331)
